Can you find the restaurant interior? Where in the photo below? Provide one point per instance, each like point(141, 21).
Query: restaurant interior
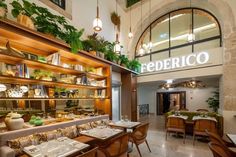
point(117, 78)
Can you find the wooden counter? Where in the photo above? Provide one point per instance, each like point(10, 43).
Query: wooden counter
point(4, 137)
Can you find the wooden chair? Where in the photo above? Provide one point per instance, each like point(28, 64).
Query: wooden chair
point(91, 153)
point(116, 147)
point(219, 151)
point(139, 135)
point(176, 125)
point(200, 127)
point(202, 110)
point(215, 138)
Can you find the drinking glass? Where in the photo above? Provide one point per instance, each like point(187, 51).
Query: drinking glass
point(126, 118)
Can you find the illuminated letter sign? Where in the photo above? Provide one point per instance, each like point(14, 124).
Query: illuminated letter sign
point(176, 62)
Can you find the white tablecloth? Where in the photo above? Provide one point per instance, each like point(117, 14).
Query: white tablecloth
point(232, 137)
point(180, 116)
point(200, 117)
point(60, 147)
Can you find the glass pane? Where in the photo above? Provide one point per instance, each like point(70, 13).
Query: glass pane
point(145, 41)
point(160, 34)
point(180, 26)
point(144, 59)
point(207, 45)
point(205, 26)
point(181, 51)
point(160, 55)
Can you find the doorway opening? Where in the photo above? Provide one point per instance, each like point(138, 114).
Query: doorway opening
point(167, 101)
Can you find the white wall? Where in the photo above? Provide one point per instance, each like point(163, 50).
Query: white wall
point(195, 98)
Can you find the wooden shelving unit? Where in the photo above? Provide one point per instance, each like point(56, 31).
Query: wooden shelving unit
point(33, 42)
point(19, 80)
point(36, 99)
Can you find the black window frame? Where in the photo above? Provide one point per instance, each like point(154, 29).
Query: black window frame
point(61, 5)
point(182, 45)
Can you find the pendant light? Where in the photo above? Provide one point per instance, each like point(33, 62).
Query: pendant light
point(150, 37)
point(141, 49)
point(191, 35)
point(117, 47)
point(97, 22)
point(130, 35)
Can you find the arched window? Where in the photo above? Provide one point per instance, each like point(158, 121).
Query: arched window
point(178, 33)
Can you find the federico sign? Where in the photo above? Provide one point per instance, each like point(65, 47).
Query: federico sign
point(190, 60)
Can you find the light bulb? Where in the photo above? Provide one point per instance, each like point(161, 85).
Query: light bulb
point(97, 24)
point(130, 35)
point(150, 45)
point(141, 51)
point(117, 47)
point(191, 37)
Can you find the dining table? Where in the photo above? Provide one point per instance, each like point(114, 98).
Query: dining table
point(124, 124)
point(179, 116)
point(102, 133)
point(60, 147)
point(232, 138)
point(204, 117)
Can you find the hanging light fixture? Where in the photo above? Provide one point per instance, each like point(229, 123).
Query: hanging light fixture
point(130, 35)
point(117, 47)
point(141, 49)
point(191, 35)
point(150, 37)
point(97, 22)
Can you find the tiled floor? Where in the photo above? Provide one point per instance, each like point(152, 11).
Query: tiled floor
point(173, 147)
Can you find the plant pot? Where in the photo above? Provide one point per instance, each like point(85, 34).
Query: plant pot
point(102, 55)
point(49, 35)
point(15, 122)
point(93, 53)
point(123, 65)
point(3, 12)
point(25, 21)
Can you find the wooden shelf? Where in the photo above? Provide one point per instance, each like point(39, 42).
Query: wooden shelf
point(28, 40)
point(25, 39)
point(19, 80)
point(39, 65)
point(36, 99)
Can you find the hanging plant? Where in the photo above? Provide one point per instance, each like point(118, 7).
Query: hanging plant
point(115, 19)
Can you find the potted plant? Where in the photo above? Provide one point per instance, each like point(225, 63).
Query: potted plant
point(42, 75)
point(31, 15)
point(24, 13)
point(111, 56)
point(123, 60)
point(3, 9)
point(73, 39)
point(214, 101)
point(47, 23)
point(134, 65)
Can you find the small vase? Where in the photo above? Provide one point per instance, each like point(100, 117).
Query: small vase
point(3, 12)
point(25, 21)
point(15, 122)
